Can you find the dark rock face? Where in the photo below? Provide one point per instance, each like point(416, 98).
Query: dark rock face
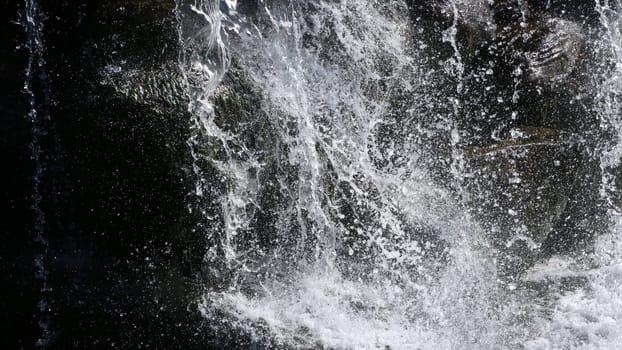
point(520, 66)
point(19, 297)
point(520, 188)
point(248, 7)
point(120, 262)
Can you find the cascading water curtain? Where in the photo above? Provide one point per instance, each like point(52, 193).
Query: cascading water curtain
point(317, 134)
point(328, 222)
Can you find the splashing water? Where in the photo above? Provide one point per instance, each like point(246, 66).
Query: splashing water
point(591, 317)
point(329, 226)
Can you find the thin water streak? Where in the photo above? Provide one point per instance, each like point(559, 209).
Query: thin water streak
point(32, 20)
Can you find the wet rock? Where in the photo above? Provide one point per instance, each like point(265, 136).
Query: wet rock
point(557, 54)
point(506, 66)
point(526, 67)
point(160, 88)
point(519, 187)
point(120, 264)
point(584, 12)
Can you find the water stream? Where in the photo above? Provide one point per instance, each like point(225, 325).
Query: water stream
point(32, 21)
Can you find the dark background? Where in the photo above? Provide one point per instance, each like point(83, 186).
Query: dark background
point(121, 254)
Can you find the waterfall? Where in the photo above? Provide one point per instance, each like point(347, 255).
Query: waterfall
point(332, 228)
point(32, 21)
point(365, 249)
point(591, 317)
point(317, 174)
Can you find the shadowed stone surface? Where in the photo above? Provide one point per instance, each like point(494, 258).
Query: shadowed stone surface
point(520, 186)
point(121, 262)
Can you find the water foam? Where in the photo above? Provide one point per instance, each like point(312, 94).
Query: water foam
point(329, 105)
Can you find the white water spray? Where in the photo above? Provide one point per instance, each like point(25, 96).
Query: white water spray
point(328, 106)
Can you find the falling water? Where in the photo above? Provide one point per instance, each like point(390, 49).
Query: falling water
point(326, 221)
point(32, 21)
point(591, 317)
